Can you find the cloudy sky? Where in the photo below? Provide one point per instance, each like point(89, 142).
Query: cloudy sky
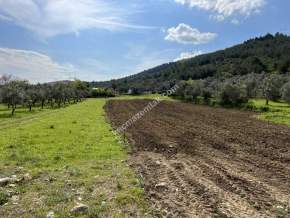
point(47, 40)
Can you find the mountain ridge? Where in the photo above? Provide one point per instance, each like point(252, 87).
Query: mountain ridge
point(269, 53)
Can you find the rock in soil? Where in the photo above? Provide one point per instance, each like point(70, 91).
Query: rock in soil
point(50, 214)
point(160, 185)
point(27, 177)
point(5, 181)
point(80, 208)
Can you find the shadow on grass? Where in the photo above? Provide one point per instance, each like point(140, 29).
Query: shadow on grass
point(18, 113)
point(280, 106)
point(4, 109)
point(6, 115)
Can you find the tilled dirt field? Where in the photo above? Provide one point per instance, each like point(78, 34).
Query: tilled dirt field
point(198, 161)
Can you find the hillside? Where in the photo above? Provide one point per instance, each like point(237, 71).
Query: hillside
point(268, 53)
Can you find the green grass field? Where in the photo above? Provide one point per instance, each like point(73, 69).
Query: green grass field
point(72, 157)
point(278, 112)
point(149, 96)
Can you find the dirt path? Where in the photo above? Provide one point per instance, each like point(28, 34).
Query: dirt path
point(199, 161)
point(24, 120)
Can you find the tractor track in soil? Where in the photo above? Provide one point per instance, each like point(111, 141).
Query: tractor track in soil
point(198, 161)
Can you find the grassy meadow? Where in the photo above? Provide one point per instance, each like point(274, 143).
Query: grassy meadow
point(277, 112)
point(70, 155)
point(149, 96)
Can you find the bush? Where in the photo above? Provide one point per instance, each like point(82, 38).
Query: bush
point(251, 106)
point(102, 93)
point(232, 95)
point(188, 98)
point(199, 100)
point(286, 92)
point(213, 102)
point(264, 109)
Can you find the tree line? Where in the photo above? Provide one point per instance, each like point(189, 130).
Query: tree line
point(270, 53)
point(16, 93)
point(237, 90)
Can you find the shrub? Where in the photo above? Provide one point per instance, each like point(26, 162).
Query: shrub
point(251, 106)
point(232, 95)
point(187, 98)
point(102, 93)
point(264, 109)
point(199, 100)
point(213, 102)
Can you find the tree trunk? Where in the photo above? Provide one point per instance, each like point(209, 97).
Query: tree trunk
point(267, 101)
point(42, 104)
point(30, 107)
point(13, 110)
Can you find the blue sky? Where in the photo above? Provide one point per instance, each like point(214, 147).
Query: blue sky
point(47, 40)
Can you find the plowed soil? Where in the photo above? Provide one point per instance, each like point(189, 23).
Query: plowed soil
point(198, 161)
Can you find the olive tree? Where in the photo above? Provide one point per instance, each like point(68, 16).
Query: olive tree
point(232, 95)
point(206, 93)
point(189, 90)
point(42, 93)
point(4, 79)
point(31, 96)
point(272, 88)
point(196, 89)
point(13, 93)
point(251, 85)
point(286, 92)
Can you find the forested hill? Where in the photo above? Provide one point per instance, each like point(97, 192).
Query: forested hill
point(270, 53)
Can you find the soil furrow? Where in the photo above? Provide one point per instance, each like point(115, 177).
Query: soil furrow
point(198, 161)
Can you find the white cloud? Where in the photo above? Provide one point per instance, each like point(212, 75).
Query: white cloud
point(235, 21)
point(185, 34)
point(217, 17)
point(48, 18)
point(33, 66)
point(226, 8)
point(187, 55)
